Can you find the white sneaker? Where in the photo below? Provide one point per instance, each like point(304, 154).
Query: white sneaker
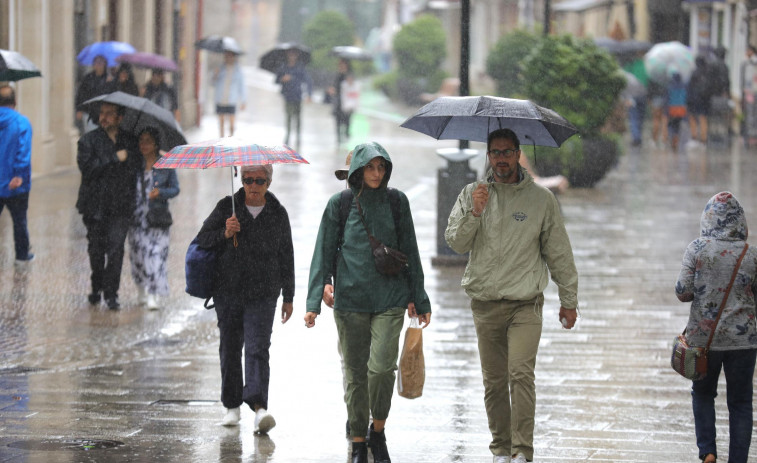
point(141, 295)
point(501, 459)
point(232, 417)
point(519, 458)
point(264, 421)
point(152, 302)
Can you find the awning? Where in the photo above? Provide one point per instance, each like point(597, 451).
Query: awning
point(577, 6)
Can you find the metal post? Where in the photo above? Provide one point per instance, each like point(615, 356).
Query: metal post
point(547, 14)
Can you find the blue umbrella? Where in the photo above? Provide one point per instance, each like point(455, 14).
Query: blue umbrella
point(110, 50)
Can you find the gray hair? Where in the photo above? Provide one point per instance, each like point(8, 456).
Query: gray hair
point(266, 168)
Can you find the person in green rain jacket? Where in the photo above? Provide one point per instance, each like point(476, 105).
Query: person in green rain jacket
point(369, 307)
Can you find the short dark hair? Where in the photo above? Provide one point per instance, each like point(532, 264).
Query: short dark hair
point(7, 96)
point(120, 110)
point(154, 133)
point(502, 133)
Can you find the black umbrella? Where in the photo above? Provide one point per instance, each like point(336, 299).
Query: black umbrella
point(273, 59)
point(474, 117)
point(350, 52)
point(219, 44)
point(142, 113)
point(15, 66)
point(622, 47)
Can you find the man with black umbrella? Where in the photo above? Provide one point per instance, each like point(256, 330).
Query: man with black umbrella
point(514, 232)
point(109, 161)
point(292, 76)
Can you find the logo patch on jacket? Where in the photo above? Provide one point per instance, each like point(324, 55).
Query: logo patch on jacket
point(520, 216)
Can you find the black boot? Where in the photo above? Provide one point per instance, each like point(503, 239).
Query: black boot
point(378, 447)
point(359, 452)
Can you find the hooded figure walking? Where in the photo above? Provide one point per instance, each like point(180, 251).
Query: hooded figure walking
point(369, 307)
point(708, 264)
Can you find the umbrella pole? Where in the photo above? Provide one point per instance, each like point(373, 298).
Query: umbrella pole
point(233, 206)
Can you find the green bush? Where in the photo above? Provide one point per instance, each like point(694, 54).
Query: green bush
point(575, 78)
point(324, 31)
point(505, 62)
point(420, 47)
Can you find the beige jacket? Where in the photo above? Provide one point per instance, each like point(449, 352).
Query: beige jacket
point(518, 240)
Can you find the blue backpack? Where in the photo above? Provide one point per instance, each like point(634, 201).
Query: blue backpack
point(201, 273)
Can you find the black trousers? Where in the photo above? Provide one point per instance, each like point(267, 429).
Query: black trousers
point(106, 239)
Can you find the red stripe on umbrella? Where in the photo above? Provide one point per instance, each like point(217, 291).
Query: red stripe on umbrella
point(226, 152)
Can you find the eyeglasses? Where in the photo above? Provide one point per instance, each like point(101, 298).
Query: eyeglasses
point(251, 180)
point(508, 153)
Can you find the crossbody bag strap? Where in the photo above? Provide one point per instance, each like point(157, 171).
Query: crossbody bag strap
point(725, 296)
point(362, 219)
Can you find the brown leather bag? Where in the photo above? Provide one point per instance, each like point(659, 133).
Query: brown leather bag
point(388, 261)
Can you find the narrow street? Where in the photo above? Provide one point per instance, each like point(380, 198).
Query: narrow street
point(151, 380)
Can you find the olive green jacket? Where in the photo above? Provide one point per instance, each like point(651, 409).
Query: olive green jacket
point(359, 287)
point(518, 240)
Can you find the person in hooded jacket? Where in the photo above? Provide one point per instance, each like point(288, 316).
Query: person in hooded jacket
point(369, 307)
point(515, 234)
point(708, 264)
point(255, 266)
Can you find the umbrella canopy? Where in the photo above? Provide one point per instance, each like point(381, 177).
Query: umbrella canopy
point(634, 88)
point(665, 58)
point(622, 47)
point(110, 50)
point(142, 113)
point(226, 152)
point(273, 59)
point(219, 44)
point(350, 52)
point(148, 61)
point(15, 66)
point(474, 117)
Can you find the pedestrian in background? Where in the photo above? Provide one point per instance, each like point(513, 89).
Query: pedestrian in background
point(335, 93)
point(698, 92)
point(109, 161)
point(162, 94)
point(675, 108)
point(637, 99)
point(148, 242)
point(369, 307)
point(293, 76)
point(656, 94)
point(515, 234)
point(124, 81)
point(708, 264)
point(95, 83)
point(15, 169)
point(256, 265)
point(749, 97)
point(230, 92)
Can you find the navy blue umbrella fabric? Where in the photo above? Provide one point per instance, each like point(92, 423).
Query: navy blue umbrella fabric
point(142, 113)
point(474, 117)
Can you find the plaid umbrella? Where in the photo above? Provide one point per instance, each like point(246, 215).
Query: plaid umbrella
point(227, 152)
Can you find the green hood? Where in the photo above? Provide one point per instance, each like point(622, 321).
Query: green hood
point(361, 155)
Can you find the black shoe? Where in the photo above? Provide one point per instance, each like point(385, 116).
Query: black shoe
point(359, 452)
point(378, 447)
point(113, 303)
point(94, 298)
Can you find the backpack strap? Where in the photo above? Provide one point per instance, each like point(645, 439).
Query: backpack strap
point(394, 205)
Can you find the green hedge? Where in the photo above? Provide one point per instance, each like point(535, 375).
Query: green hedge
point(505, 62)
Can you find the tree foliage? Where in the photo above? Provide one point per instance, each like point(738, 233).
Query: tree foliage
point(505, 61)
point(420, 46)
point(324, 31)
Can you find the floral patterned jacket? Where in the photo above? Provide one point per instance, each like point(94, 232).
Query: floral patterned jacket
point(706, 270)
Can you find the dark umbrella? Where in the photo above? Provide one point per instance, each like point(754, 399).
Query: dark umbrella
point(474, 117)
point(142, 113)
point(15, 66)
point(219, 44)
point(273, 59)
point(110, 50)
point(622, 47)
point(148, 61)
point(351, 53)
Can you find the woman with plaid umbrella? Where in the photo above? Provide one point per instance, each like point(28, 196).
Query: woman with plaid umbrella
point(251, 232)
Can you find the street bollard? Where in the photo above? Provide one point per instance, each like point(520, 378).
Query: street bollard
point(450, 182)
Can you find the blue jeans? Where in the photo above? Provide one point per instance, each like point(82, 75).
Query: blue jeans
point(636, 115)
point(247, 325)
point(18, 205)
point(738, 366)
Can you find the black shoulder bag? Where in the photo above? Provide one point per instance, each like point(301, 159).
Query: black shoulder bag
point(388, 261)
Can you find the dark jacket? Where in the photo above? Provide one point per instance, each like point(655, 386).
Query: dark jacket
point(292, 90)
point(15, 151)
point(162, 95)
point(91, 86)
point(262, 266)
point(359, 287)
point(108, 186)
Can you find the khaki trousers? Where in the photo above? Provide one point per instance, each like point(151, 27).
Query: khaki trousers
point(370, 347)
point(508, 339)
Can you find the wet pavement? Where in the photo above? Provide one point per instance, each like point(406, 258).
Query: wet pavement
point(85, 384)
